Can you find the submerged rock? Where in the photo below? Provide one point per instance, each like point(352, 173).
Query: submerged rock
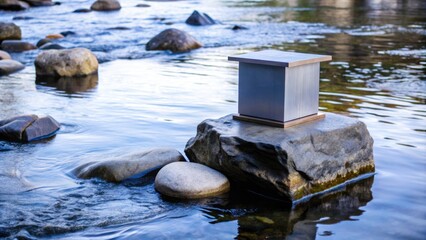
point(50, 46)
point(9, 31)
point(22, 18)
point(289, 163)
point(82, 10)
point(238, 27)
point(43, 41)
point(28, 128)
point(69, 85)
point(17, 46)
point(66, 63)
point(142, 5)
point(40, 3)
point(106, 5)
point(54, 36)
point(13, 5)
point(199, 19)
point(174, 40)
point(4, 55)
point(9, 66)
point(190, 180)
point(128, 166)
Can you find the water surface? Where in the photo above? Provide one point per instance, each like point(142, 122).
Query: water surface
point(155, 99)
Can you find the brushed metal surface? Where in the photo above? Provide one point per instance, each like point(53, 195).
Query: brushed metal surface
point(279, 58)
point(261, 91)
point(301, 91)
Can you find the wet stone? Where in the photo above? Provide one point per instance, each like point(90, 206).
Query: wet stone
point(173, 40)
point(43, 41)
point(16, 46)
point(40, 3)
point(106, 5)
point(9, 31)
point(286, 163)
point(27, 128)
point(4, 55)
point(199, 19)
point(76, 62)
point(82, 10)
point(133, 165)
point(9, 66)
point(55, 36)
point(49, 46)
point(142, 5)
point(13, 5)
point(190, 180)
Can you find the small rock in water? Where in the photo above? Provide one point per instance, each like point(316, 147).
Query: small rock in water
point(142, 5)
point(174, 40)
point(66, 63)
point(106, 5)
point(82, 10)
point(119, 28)
point(55, 36)
point(10, 66)
point(129, 166)
point(199, 19)
point(27, 128)
point(9, 31)
point(67, 33)
point(238, 27)
point(40, 3)
point(4, 55)
point(13, 5)
point(69, 85)
point(43, 41)
point(190, 180)
point(22, 18)
point(50, 46)
point(16, 46)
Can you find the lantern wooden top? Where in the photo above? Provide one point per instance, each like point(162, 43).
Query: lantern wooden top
point(279, 58)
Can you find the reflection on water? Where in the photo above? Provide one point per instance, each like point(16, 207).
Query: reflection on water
point(156, 99)
point(69, 86)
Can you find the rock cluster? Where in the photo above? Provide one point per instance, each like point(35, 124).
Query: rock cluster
point(289, 163)
point(27, 128)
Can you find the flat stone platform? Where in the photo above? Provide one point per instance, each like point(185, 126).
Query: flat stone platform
point(288, 163)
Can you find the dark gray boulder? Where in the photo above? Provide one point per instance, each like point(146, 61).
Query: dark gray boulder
point(28, 128)
point(106, 5)
point(288, 163)
point(173, 40)
point(13, 5)
point(16, 46)
point(128, 166)
point(190, 180)
point(199, 19)
point(9, 66)
point(9, 31)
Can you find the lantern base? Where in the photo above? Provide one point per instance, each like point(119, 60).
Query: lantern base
point(273, 123)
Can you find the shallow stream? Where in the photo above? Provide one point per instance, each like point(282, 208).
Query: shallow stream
point(156, 99)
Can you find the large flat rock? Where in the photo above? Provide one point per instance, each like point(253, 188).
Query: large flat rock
point(288, 163)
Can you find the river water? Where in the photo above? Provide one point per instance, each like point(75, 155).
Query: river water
point(156, 99)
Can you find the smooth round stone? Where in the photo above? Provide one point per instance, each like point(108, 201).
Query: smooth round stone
point(49, 46)
point(174, 40)
point(106, 5)
point(55, 36)
point(13, 5)
point(4, 55)
point(190, 180)
point(43, 41)
point(76, 62)
point(9, 31)
point(17, 46)
point(10, 66)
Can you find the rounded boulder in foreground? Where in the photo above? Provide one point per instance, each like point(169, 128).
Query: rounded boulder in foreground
point(76, 62)
point(106, 5)
point(190, 180)
point(173, 40)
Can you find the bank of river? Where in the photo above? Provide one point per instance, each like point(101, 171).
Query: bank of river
point(156, 99)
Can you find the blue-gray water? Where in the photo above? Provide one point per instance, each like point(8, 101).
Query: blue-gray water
point(155, 99)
